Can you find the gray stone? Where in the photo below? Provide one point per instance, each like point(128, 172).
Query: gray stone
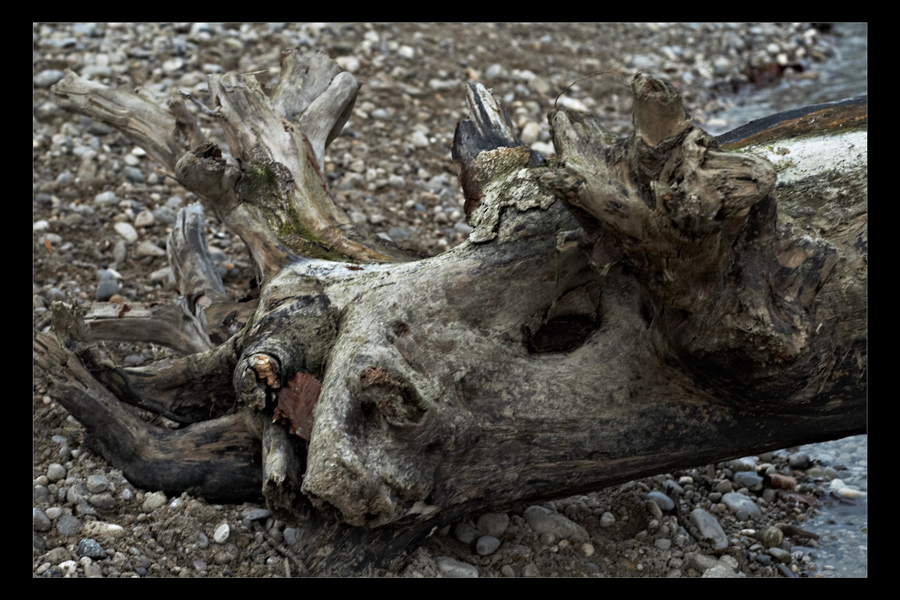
point(465, 532)
point(486, 544)
point(47, 77)
point(257, 514)
point(153, 501)
point(148, 248)
point(133, 174)
point(719, 570)
point(800, 460)
point(738, 502)
point(781, 555)
point(91, 549)
point(661, 500)
point(419, 139)
point(103, 500)
point(749, 480)
point(55, 472)
point(398, 233)
point(493, 524)
point(106, 289)
point(463, 228)
point(454, 568)
point(39, 520)
point(97, 483)
point(663, 543)
point(607, 519)
point(57, 555)
point(127, 231)
point(544, 520)
point(40, 495)
point(68, 525)
point(708, 528)
point(108, 197)
point(742, 464)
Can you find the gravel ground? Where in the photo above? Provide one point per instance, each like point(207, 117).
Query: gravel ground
point(102, 210)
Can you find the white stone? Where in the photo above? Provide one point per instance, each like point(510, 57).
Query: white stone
point(144, 218)
point(153, 501)
point(102, 530)
point(348, 63)
point(127, 231)
point(147, 248)
point(222, 533)
point(419, 139)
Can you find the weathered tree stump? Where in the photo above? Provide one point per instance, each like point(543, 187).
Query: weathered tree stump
point(626, 307)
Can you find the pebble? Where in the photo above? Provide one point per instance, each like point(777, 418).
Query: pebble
point(107, 197)
point(148, 248)
point(800, 460)
point(97, 483)
point(222, 533)
point(709, 528)
point(544, 520)
point(47, 77)
point(68, 525)
point(719, 570)
point(450, 567)
point(39, 520)
point(486, 544)
point(291, 535)
point(102, 529)
point(738, 503)
point(153, 501)
point(90, 548)
point(55, 472)
point(492, 524)
point(127, 231)
point(749, 480)
point(662, 500)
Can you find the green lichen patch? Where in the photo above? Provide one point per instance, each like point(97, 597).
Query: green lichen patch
point(269, 187)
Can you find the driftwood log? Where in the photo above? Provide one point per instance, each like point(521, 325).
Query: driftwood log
point(626, 307)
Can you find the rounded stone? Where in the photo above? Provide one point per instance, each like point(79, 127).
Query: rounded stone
point(291, 535)
point(454, 568)
point(662, 500)
point(740, 503)
point(709, 528)
point(90, 548)
point(486, 544)
point(55, 472)
point(222, 533)
point(493, 524)
point(106, 289)
point(465, 532)
point(154, 501)
point(544, 520)
point(800, 460)
point(68, 525)
point(97, 483)
point(607, 519)
point(749, 480)
point(39, 520)
point(770, 537)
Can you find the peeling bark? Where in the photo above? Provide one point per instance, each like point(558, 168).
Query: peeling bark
point(624, 308)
